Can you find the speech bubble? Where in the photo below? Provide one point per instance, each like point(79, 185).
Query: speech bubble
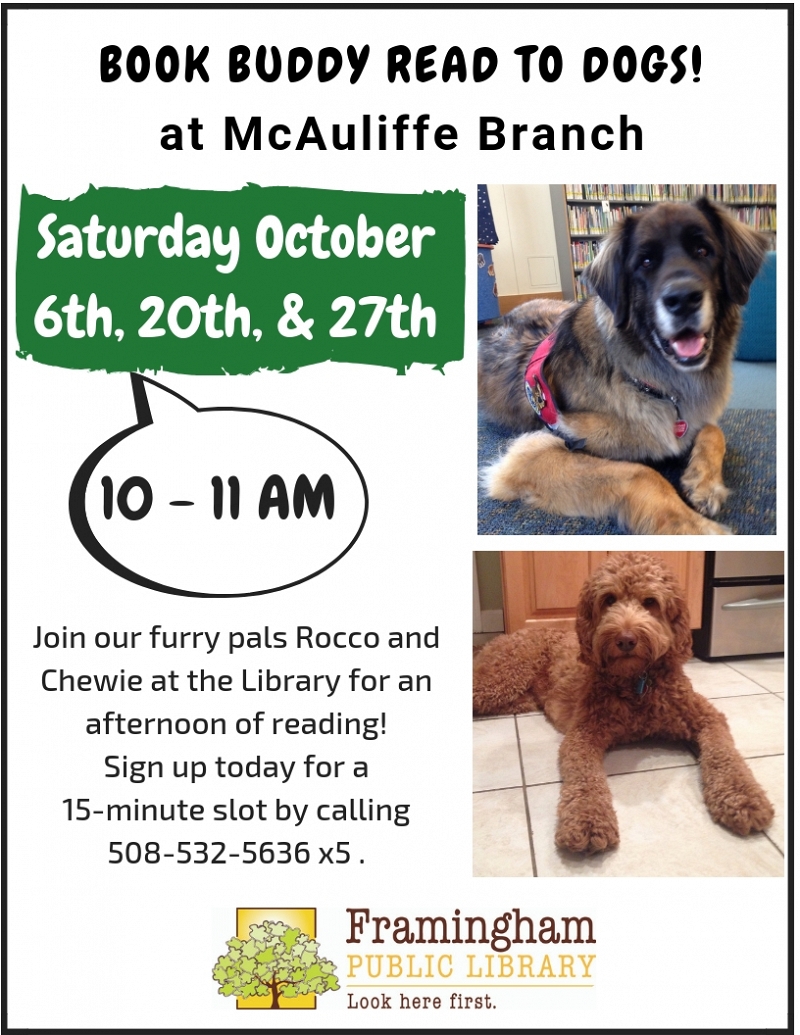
point(218, 501)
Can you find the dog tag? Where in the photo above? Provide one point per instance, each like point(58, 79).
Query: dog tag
point(680, 427)
point(641, 684)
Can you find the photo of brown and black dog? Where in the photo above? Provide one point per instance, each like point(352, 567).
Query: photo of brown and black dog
point(617, 680)
point(639, 372)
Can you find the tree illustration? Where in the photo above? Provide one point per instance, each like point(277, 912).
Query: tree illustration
point(276, 960)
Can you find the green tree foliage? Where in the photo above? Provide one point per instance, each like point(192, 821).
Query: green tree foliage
point(278, 961)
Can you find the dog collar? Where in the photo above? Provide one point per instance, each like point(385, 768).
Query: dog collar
point(680, 427)
point(536, 388)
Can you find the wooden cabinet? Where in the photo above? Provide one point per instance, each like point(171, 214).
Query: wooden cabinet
point(541, 587)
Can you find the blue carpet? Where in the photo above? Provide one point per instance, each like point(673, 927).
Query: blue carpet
point(749, 472)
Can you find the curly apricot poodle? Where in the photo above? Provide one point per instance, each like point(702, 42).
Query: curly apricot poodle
point(619, 681)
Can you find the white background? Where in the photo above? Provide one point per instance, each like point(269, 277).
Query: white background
point(104, 946)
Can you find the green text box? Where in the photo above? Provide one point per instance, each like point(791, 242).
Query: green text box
point(67, 249)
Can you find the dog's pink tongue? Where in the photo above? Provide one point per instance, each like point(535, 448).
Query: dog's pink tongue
point(688, 347)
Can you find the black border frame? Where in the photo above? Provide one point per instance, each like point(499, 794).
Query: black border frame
point(4, 339)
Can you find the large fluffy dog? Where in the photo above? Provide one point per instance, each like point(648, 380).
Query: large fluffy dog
point(641, 371)
point(621, 681)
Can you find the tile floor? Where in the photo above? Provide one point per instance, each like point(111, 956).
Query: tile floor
point(665, 830)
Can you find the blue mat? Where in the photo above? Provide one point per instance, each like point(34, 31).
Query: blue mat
point(749, 472)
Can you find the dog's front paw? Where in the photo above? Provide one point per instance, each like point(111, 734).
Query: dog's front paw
point(705, 495)
point(698, 525)
point(580, 831)
point(714, 528)
point(689, 522)
point(744, 809)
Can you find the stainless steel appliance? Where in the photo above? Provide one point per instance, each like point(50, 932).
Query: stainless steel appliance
point(743, 605)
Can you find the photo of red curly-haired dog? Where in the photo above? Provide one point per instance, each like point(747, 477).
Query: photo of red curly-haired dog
point(618, 679)
point(640, 372)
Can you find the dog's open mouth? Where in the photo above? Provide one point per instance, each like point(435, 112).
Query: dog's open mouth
point(687, 347)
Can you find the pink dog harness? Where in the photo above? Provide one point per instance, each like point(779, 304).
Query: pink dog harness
point(536, 388)
point(541, 398)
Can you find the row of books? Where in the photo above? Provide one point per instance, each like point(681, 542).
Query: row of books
point(583, 252)
point(749, 193)
point(759, 218)
point(590, 220)
point(730, 193)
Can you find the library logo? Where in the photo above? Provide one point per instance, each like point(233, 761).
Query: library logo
point(274, 962)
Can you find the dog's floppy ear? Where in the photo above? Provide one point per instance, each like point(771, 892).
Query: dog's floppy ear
point(678, 615)
point(743, 250)
point(584, 621)
point(606, 275)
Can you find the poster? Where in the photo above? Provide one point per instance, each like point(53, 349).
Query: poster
point(240, 400)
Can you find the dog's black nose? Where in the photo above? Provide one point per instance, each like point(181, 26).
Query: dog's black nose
point(682, 299)
point(626, 642)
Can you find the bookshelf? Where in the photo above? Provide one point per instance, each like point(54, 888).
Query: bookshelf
point(592, 209)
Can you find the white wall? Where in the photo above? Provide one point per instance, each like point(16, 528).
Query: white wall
point(525, 259)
